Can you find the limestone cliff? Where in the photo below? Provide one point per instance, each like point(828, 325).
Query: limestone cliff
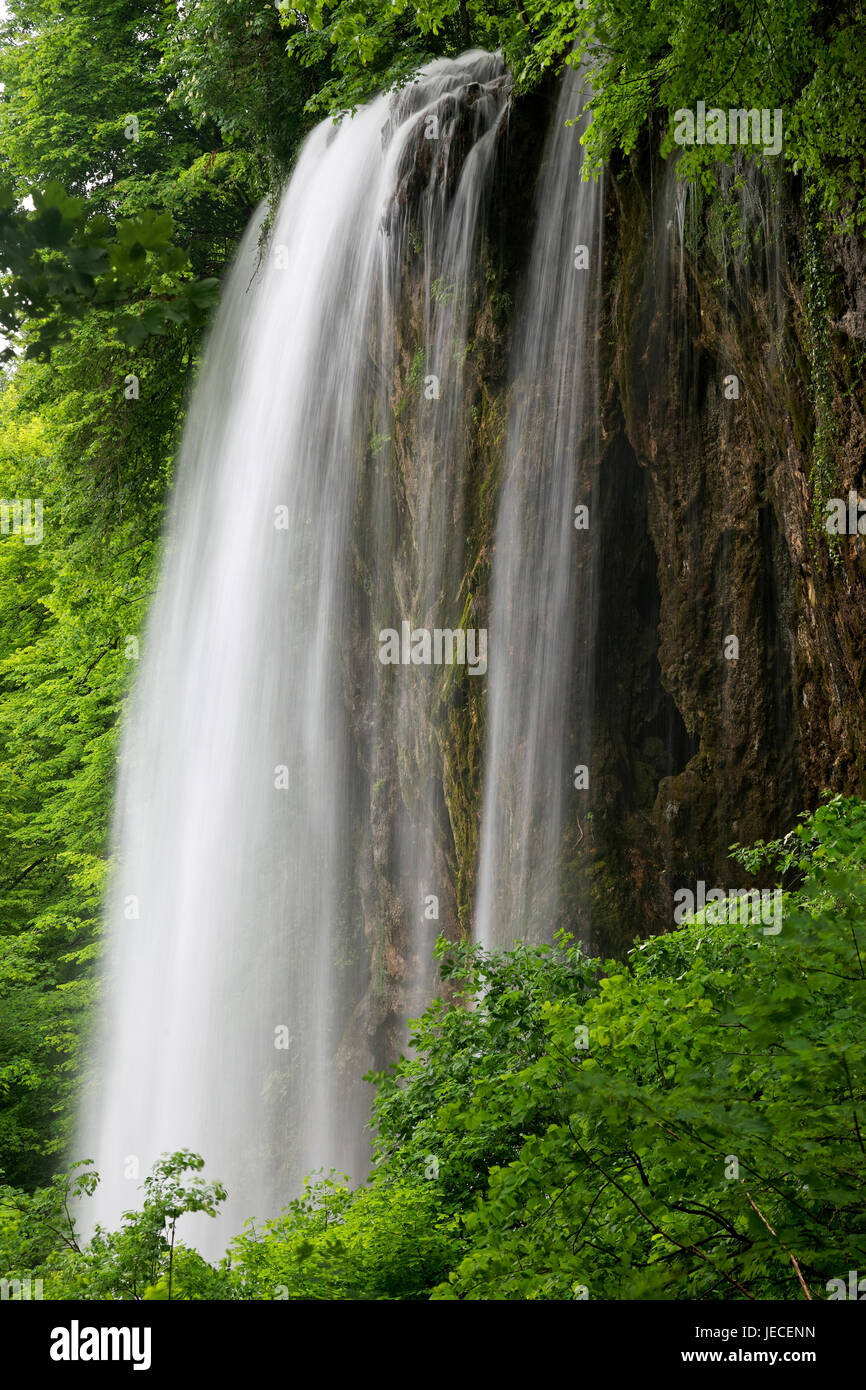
point(704, 529)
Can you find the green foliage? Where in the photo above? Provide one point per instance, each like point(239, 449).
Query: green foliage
point(710, 1045)
point(393, 1242)
point(142, 1260)
point(97, 275)
point(817, 279)
point(685, 1124)
point(479, 1046)
point(67, 609)
point(62, 261)
point(232, 73)
point(800, 55)
point(87, 131)
point(37, 1227)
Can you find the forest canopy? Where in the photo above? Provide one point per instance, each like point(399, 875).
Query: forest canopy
point(803, 56)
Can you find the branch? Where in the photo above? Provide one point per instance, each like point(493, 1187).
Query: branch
point(803, 1283)
point(29, 869)
point(689, 1249)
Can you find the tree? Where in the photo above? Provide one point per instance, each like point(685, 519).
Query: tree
point(802, 56)
point(38, 1234)
point(709, 1140)
point(112, 269)
point(61, 262)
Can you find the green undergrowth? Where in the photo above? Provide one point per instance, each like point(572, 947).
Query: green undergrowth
point(687, 1123)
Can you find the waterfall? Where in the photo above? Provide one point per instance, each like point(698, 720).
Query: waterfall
point(274, 832)
point(542, 625)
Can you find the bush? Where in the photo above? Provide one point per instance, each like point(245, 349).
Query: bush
point(684, 1124)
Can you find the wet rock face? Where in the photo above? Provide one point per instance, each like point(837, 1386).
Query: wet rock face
point(428, 484)
point(851, 259)
point(730, 643)
point(709, 385)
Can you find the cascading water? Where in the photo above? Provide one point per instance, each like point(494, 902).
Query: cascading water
point(240, 963)
point(542, 624)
